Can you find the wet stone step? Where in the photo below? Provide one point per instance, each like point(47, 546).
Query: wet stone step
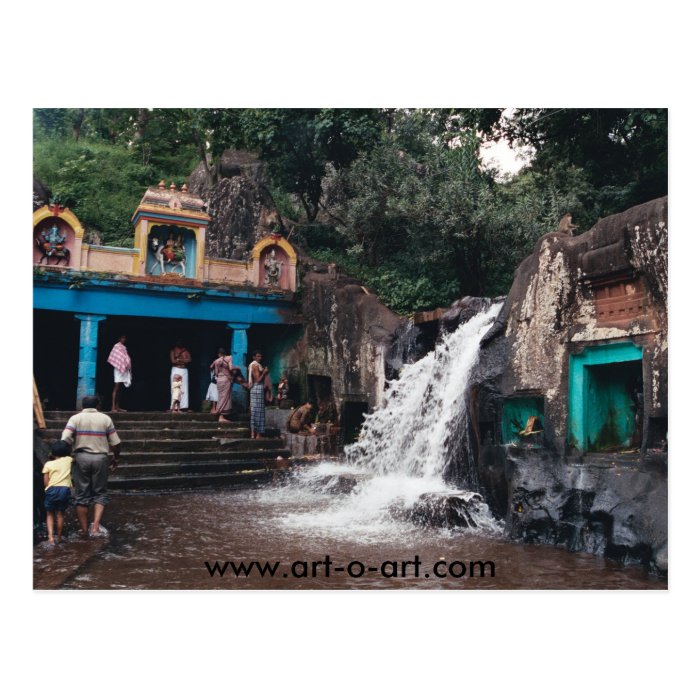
point(160, 425)
point(201, 445)
point(130, 435)
point(137, 458)
point(142, 416)
point(200, 467)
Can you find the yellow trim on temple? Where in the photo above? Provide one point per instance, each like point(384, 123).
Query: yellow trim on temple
point(66, 214)
point(270, 241)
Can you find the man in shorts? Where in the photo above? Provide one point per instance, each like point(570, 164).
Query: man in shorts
point(91, 434)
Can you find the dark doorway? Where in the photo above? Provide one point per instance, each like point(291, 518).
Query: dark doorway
point(615, 405)
point(149, 341)
point(56, 350)
point(352, 419)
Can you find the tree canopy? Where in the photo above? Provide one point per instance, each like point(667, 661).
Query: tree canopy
point(400, 198)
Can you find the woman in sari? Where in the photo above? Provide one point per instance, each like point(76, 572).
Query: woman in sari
point(226, 373)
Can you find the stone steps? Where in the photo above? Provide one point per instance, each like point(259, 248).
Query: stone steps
point(164, 433)
point(201, 466)
point(145, 416)
point(210, 444)
point(214, 457)
point(162, 451)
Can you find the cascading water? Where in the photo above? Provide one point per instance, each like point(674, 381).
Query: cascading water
point(396, 471)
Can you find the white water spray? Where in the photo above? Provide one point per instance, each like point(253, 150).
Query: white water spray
point(405, 447)
point(425, 411)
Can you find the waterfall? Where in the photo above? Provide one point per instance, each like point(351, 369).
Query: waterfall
point(397, 471)
point(425, 416)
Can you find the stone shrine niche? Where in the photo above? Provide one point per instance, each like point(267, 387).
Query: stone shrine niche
point(274, 268)
point(57, 237)
point(274, 264)
point(172, 251)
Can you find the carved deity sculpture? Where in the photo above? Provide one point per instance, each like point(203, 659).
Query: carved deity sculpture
point(51, 243)
point(172, 253)
point(273, 270)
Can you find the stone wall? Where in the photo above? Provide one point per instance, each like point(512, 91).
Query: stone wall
point(346, 333)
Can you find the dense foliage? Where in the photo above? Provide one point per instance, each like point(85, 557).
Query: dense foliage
point(398, 198)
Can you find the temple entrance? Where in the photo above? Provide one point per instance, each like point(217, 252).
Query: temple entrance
point(149, 341)
point(606, 398)
point(615, 406)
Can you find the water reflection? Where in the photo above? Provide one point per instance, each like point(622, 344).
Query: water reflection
point(162, 541)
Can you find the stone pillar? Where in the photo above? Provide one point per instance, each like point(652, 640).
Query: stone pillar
point(239, 350)
point(87, 359)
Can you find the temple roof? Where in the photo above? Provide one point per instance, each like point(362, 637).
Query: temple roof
point(172, 198)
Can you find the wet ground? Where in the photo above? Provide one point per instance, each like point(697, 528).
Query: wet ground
point(164, 541)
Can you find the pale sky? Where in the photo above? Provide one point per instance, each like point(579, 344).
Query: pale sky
point(505, 158)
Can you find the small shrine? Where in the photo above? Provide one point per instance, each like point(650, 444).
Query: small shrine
point(169, 233)
point(58, 237)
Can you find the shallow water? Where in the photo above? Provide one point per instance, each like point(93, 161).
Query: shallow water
point(162, 541)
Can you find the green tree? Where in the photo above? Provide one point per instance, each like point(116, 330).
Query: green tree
point(298, 145)
point(623, 152)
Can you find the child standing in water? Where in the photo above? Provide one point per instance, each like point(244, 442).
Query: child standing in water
point(57, 485)
point(176, 393)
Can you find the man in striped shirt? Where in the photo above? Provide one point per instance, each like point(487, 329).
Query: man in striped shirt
point(91, 434)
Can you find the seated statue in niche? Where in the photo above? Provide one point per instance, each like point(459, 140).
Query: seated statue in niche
point(171, 252)
point(52, 244)
point(273, 270)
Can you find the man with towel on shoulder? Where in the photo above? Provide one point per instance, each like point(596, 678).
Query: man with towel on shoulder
point(120, 360)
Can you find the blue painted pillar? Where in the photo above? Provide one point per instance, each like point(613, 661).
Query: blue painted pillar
point(239, 351)
point(87, 359)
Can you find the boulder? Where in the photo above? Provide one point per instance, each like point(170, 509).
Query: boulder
point(451, 509)
point(242, 213)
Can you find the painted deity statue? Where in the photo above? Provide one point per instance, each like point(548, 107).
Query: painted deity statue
point(273, 270)
point(171, 252)
point(52, 244)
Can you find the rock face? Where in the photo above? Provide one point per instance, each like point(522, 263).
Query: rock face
point(347, 331)
point(40, 196)
point(463, 310)
point(409, 342)
point(612, 506)
point(581, 345)
point(241, 208)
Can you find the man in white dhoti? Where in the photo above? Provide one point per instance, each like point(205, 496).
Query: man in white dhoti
point(120, 360)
